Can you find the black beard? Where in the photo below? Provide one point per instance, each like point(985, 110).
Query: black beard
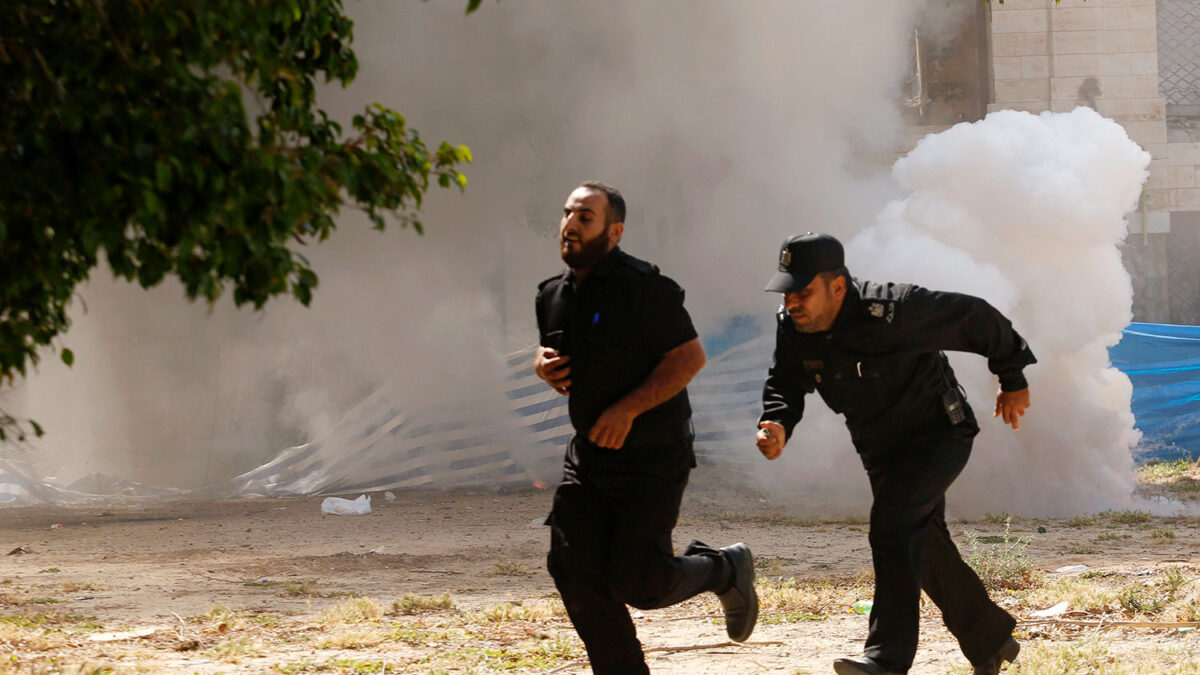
point(589, 253)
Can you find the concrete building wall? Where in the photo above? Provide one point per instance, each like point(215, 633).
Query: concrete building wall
point(1105, 54)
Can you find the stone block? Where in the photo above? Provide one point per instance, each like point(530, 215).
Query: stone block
point(1019, 44)
point(1145, 133)
point(1181, 176)
point(1116, 41)
point(1081, 65)
point(1144, 63)
point(1115, 87)
point(1035, 107)
point(1158, 199)
point(1006, 67)
point(1079, 42)
point(1115, 64)
point(1022, 90)
point(1186, 198)
point(1035, 67)
point(1128, 18)
point(1181, 154)
point(1019, 21)
point(1133, 109)
point(1088, 17)
point(1159, 179)
point(1014, 5)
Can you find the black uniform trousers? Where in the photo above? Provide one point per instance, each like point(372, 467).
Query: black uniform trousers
point(911, 550)
point(611, 546)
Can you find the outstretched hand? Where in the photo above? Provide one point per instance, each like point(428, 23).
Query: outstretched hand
point(1011, 405)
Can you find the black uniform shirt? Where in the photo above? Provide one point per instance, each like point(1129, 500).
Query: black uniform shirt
point(881, 363)
point(616, 325)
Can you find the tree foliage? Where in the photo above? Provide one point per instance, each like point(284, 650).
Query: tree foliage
point(182, 137)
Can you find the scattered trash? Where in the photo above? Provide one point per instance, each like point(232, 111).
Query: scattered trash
point(390, 496)
point(761, 500)
point(540, 521)
point(863, 607)
point(346, 507)
point(638, 615)
point(197, 662)
point(1185, 629)
point(20, 550)
point(122, 635)
point(56, 526)
point(1143, 573)
point(1052, 611)
point(281, 508)
point(86, 597)
point(1072, 568)
point(1041, 529)
point(378, 550)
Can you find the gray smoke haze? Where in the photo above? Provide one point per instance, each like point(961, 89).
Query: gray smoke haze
point(727, 125)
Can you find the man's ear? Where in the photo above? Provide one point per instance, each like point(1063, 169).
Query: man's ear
point(615, 231)
point(838, 286)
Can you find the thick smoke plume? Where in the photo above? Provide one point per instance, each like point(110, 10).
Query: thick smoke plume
point(728, 126)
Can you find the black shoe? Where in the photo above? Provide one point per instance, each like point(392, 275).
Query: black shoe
point(861, 665)
point(1006, 654)
point(740, 600)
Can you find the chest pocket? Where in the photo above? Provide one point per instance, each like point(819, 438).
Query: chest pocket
point(847, 382)
point(609, 332)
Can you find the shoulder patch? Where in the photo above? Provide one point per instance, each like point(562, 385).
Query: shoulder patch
point(881, 309)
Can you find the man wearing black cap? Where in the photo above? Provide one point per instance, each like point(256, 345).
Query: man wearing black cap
point(616, 338)
point(875, 354)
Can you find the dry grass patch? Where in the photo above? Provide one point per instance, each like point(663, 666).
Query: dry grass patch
point(355, 639)
point(304, 587)
point(514, 568)
point(235, 649)
point(1002, 565)
point(351, 611)
point(31, 638)
point(1169, 595)
point(534, 610)
point(1095, 655)
point(414, 604)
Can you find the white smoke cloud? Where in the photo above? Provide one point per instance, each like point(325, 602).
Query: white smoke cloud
point(1028, 212)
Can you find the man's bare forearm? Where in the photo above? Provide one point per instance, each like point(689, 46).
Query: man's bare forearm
point(668, 378)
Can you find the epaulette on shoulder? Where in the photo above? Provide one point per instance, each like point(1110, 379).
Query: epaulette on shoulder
point(545, 282)
point(641, 265)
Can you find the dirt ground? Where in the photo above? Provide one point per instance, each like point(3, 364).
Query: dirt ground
point(256, 585)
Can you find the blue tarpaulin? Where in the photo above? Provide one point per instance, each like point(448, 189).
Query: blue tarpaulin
point(1163, 363)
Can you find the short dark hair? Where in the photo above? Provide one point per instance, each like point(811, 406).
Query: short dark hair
point(615, 213)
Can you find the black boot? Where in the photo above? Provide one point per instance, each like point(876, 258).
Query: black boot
point(861, 665)
point(740, 600)
point(1006, 654)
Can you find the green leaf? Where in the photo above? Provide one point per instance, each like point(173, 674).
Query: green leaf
point(68, 357)
point(473, 5)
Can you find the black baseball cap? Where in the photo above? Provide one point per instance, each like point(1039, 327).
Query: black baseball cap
point(802, 257)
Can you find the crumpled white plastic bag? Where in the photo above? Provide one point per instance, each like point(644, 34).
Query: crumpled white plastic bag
point(346, 507)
